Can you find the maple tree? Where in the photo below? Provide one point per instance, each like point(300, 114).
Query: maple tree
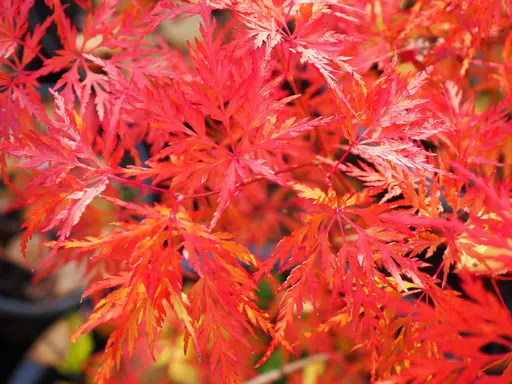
point(368, 143)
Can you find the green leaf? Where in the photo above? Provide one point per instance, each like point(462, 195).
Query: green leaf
point(482, 101)
point(275, 361)
point(264, 294)
point(129, 194)
point(78, 352)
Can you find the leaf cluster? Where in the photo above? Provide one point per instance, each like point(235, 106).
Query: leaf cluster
point(367, 143)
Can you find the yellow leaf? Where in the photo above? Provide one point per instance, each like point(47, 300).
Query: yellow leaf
point(315, 194)
point(240, 252)
point(179, 306)
point(80, 124)
point(312, 372)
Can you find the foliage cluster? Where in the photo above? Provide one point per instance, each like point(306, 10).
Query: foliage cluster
point(366, 142)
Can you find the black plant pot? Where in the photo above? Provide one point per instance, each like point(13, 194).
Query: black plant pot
point(29, 371)
point(22, 322)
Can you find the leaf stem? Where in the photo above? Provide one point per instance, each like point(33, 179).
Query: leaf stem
point(305, 112)
point(287, 369)
point(135, 183)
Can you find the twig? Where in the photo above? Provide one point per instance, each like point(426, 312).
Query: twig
point(295, 89)
point(139, 184)
point(285, 370)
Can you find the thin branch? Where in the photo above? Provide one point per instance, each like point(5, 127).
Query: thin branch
point(135, 183)
point(287, 369)
point(304, 110)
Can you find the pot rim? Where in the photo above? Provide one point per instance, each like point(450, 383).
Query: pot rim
point(45, 308)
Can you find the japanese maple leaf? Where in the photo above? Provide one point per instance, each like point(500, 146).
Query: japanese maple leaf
point(64, 150)
point(460, 328)
point(102, 28)
point(19, 97)
point(396, 122)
